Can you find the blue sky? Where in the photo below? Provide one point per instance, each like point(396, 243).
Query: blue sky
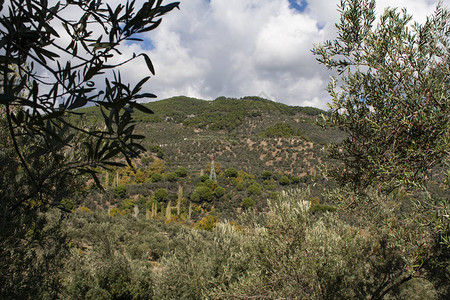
point(299, 5)
point(235, 48)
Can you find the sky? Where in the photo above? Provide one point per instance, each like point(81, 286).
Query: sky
point(236, 48)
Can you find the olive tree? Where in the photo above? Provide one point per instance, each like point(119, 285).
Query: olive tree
point(391, 98)
point(392, 94)
point(55, 57)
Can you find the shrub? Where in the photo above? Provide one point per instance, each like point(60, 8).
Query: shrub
point(172, 177)
point(203, 178)
point(284, 180)
point(182, 172)
point(84, 208)
point(68, 204)
point(210, 183)
point(248, 203)
point(281, 130)
point(156, 177)
point(114, 211)
point(161, 195)
point(128, 204)
point(219, 192)
point(207, 223)
point(231, 173)
point(322, 208)
point(139, 177)
point(266, 175)
point(254, 189)
point(271, 187)
point(97, 293)
point(120, 191)
point(202, 194)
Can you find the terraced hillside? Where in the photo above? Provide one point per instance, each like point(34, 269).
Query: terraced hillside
point(252, 133)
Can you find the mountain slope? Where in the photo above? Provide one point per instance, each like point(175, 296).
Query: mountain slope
point(252, 134)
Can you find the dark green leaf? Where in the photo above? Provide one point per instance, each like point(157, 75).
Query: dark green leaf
point(113, 163)
point(112, 153)
point(151, 27)
point(137, 137)
point(93, 71)
point(145, 95)
point(47, 53)
point(79, 102)
point(165, 9)
point(135, 39)
point(138, 146)
point(140, 84)
point(141, 108)
point(149, 63)
point(6, 99)
point(53, 115)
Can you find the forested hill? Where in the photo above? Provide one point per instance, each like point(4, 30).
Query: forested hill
point(221, 113)
point(251, 133)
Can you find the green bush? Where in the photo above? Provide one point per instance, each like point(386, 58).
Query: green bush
point(128, 204)
point(156, 177)
point(68, 204)
point(322, 208)
point(281, 130)
point(231, 173)
point(284, 180)
point(332, 259)
point(219, 192)
point(158, 151)
point(254, 189)
point(248, 203)
point(210, 183)
point(203, 178)
point(266, 175)
point(161, 195)
point(139, 177)
point(182, 172)
point(271, 187)
point(120, 191)
point(172, 177)
point(295, 180)
point(115, 277)
point(97, 293)
point(202, 194)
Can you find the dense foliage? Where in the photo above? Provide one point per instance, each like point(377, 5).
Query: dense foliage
point(392, 95)
point(291, 251)
point(282, 130)
point(51, 64)
point(221, 114)
point(392, 100)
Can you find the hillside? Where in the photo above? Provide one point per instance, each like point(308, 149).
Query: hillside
point(239, 132)
point(260, 148)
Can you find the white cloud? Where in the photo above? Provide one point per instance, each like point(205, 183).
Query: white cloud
point(282, 43)
point(244, 47)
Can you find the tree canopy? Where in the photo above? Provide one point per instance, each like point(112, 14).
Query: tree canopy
point(391, 96)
